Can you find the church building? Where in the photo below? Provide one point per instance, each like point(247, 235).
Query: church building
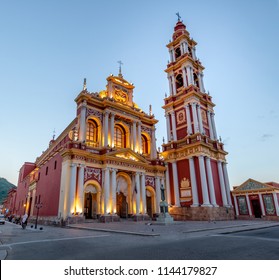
point(105, 164)
point(197, 177)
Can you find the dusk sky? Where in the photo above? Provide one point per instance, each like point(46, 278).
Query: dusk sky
point(48, 47)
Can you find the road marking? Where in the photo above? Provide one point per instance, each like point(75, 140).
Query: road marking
point(50, 240)
point(249, 237)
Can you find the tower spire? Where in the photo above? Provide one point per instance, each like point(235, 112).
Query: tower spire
point(84, 84)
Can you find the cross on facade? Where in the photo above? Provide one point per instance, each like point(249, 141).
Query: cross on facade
point(178, 17)
point(120, 63)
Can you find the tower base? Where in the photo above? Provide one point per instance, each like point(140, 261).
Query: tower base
point(202, 213)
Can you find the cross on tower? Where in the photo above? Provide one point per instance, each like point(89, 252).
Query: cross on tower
point(120, 63)
point(178, 17)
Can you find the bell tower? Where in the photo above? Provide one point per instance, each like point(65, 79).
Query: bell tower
point(197, 179)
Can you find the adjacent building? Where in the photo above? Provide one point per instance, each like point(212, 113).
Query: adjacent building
point(254, 199)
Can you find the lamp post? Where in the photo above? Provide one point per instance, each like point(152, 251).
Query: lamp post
point(38, 206)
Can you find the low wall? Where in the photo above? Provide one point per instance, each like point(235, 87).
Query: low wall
point(202, 213)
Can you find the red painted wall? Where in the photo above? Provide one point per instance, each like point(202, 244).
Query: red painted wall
point(181, 133)
point(183, 170)
point(22, 187)
point(48, 187)
point(216, 182)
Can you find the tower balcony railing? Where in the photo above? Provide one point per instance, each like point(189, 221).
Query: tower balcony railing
point(193, 139)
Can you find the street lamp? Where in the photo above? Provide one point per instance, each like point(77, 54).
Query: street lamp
point(38, 206)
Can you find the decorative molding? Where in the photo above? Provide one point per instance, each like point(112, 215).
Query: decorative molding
point(92, 173)
point(92, 112)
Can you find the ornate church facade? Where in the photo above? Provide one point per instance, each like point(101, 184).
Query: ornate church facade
point(105, 164)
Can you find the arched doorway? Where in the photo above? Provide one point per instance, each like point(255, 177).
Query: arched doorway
point(91, 201)
point(150, 202)
point(123, 195)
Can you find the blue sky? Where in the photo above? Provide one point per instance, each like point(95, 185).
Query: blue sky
point(48, 47)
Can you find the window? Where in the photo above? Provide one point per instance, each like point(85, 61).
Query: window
point(92, 133)
point(196, 80)
point(179, 81)
point(47, 170)
point(177, 52)
point(119, 137)
point(55, 164)
point(144, 143)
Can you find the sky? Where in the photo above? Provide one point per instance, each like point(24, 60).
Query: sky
point(48, 47)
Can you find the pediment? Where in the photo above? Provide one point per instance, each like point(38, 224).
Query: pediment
point(252, 185)
point(128, 154)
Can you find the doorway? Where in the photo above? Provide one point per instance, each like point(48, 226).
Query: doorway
point(122, 206)
point(149, 206)
point(90, 205)
point(256, 208)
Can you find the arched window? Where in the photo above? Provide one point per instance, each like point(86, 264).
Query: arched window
point(179, 81)
point(92, 133)
point(177, 52)
point(196, 80)
point(144, 143)
point(119, 137)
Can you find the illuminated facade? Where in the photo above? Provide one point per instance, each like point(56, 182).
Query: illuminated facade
point(103, 165)
point(197, 178)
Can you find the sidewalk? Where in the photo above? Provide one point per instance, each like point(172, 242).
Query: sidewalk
point(154, 229)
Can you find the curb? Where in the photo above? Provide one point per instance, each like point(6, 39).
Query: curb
point(115, 231)
point(232, 231)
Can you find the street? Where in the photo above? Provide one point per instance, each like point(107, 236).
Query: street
point(55, 243)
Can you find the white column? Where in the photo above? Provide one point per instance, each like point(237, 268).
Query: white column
point(205, 196)
point(194, 53)
point(188, 118)
point(189, 75)
point(227, 183)
point(170, 85)
point(236, 205)
point(262, 205)
point(210, 182)
point(213, 126)
point(106, 191)
point(193, 183)
point(248, 204)
point(184, 77)
point(72, 190)
point(113, 190)
point(276, 203)
point(134, 136)
point(175, 184)
point(79, 204)
point(200, 118)
point(173, 85)
point(143, 194)
point(168, 199)
point(106, 129)
point(168, 126)
point(82, 121)
point(153, 141)
point(112, 130)
point(201, 83)
point(139, 138)
point(137, 193)
point(64, 189)
point(171, 57)
point(173, 123)
point(158, 194)
point(194, 113)
point(222, 184)
point(182, 48)
point(211, 135)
